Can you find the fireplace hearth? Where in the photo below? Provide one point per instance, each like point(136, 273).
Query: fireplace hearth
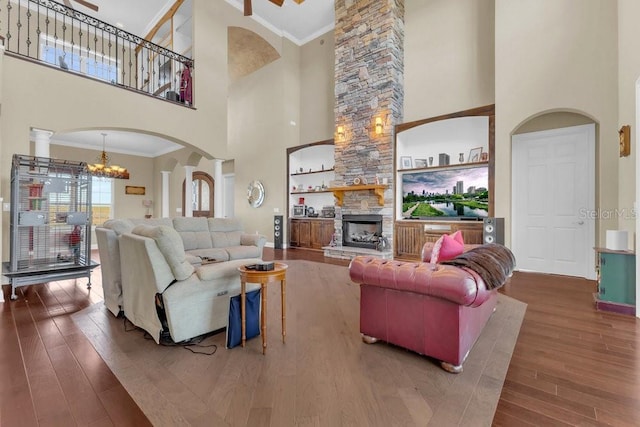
point(362, 231)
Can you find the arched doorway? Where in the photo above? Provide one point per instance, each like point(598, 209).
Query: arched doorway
point(203, 189)
point(553, 194)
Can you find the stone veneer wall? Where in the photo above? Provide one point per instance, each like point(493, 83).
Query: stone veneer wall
point(369, 70)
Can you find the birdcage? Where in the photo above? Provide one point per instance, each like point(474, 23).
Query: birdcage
point(50, 221)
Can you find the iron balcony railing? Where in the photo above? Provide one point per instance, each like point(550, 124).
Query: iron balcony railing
point(55, 34)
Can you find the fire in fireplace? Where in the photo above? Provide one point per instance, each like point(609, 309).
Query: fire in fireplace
point(362, 231)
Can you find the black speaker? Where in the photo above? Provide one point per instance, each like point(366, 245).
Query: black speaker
point(277, 231)
point(493, 230)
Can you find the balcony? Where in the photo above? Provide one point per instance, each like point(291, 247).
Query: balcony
point(56, 35)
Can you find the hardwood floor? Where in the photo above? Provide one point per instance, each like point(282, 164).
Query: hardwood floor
point(572, 365)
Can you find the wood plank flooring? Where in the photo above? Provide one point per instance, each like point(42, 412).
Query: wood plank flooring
point(572, 365)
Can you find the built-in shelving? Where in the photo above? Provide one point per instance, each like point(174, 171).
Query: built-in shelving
point(444, 167)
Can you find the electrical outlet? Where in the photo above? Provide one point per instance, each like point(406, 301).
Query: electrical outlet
point(6, 207)
point(276, 210)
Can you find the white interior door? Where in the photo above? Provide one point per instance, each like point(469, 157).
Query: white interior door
point(553, 196)
point(229, 184)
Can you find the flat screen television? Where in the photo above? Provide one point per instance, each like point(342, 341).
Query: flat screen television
point(456, 192)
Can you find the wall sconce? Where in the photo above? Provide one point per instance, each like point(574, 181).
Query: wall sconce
point(340, 132)
point(378, 125)
point(625, 140)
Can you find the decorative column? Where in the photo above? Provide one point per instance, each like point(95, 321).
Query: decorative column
point(188, 191)
point(42, 139)
point(165, 194)
point(369, 96)
point(218, 189)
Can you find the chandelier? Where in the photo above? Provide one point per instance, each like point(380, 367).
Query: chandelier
point(103, 169)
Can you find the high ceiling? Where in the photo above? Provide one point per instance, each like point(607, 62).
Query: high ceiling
point(299, 23)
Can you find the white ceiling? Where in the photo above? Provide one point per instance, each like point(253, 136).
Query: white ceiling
point(299, 23)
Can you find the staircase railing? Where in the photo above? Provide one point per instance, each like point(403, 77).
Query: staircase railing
point(55, 34)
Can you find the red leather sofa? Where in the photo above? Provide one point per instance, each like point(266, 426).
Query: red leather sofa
point(433, 309)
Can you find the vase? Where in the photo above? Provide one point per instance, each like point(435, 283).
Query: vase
point(461, 158)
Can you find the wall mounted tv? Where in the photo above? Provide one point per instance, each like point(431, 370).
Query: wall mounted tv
point(457, 192)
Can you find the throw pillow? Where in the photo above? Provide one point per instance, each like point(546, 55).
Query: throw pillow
point(447, 247)
point(457, 236)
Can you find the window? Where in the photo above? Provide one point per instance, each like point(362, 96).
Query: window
point(76, 58)
point(101, 199)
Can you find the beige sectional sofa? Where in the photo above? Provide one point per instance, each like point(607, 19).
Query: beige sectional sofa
point(160, 260)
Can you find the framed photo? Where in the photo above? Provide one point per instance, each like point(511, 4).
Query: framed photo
point(405, 162)
point(420, 163)
point(475, 154)
point(130, 189)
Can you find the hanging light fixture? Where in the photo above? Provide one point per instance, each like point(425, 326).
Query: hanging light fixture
point(102, 167)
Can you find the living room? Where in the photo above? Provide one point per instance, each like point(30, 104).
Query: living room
point(531, 61)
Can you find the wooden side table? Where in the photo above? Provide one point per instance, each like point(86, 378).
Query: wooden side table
point(279, 273)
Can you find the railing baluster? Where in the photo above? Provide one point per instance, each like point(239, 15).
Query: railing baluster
point(64, 40)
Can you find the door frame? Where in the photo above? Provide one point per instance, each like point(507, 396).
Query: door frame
point(205, 177)
point(590, 236)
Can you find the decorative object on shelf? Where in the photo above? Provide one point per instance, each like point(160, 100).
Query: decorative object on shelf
point(255, 194)
point(103, 169)
point(134, 190)
point(301, 200)
point(301, 170)
point(443, 159)
point(474, 155)
point(625, 140)
point(420, 163)
point(147, 204)
point(293, 188)
point(364, 181)
point(356, 180)
point(484, 156)
point(378, 124)
point(311, 212)
point(405, 162)
point(323, 166)
point(461, 158)
point(430, 160)
point(318, 188)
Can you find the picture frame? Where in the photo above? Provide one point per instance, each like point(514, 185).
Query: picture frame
point(475, 155)
point(420, 163)
point(136, 191)
point(406, 162)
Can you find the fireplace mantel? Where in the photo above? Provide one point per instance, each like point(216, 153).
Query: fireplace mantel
point(378, 190)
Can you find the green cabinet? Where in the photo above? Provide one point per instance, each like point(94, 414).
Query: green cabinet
point(617, 276)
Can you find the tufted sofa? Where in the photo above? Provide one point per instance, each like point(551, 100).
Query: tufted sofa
point(144, 258)
point(433, 309)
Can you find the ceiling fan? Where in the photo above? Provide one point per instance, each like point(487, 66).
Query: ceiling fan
point(83, 3)
point(247, 5)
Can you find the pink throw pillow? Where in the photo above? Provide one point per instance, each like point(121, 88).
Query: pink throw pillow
point(457, 236)
point(447, 247)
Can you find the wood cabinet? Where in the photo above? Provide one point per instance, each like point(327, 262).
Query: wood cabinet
point(410, 236)
point(409, 240)
point(310, 233)
point(616, 280)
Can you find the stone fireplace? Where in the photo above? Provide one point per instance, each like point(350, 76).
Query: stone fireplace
point(369, 95)
point(362, 231)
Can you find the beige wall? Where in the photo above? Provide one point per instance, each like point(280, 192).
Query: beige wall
point(317, 78)
point(548, 60)
point(628, 74)
point(448, 57)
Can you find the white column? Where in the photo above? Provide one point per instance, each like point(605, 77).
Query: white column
point(218, 193)
point(188, 191)
point(165, 194)
point(42, 139)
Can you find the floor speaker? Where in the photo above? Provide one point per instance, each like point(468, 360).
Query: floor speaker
point(493, 230)
point(277, 231)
